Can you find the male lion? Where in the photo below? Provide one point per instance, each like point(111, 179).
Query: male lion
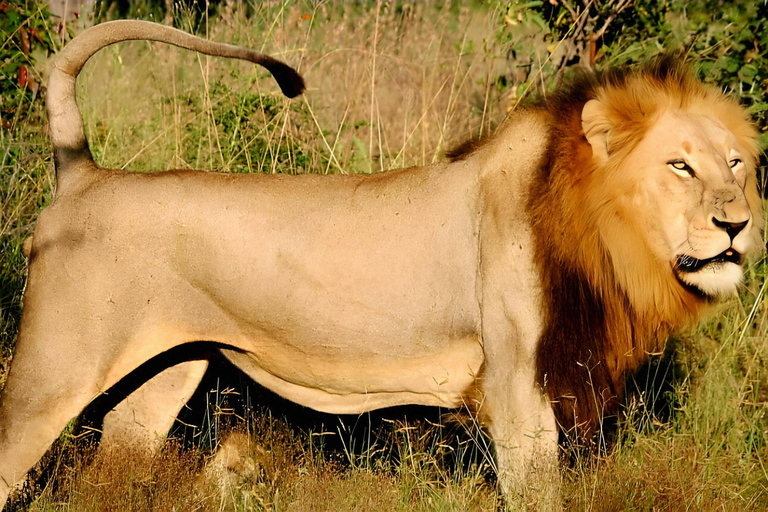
point(532, 272)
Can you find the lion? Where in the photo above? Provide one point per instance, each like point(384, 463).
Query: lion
point(526, 277)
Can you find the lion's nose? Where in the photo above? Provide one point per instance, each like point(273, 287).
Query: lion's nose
point(732, 228)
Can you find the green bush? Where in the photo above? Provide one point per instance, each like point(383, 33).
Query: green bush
point(26, 34)
point(727, 41)
point(249, 126)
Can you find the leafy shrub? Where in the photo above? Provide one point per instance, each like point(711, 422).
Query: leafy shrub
point(256, 132)
point(25, 31)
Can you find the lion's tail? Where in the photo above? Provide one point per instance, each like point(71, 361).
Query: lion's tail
point(70, 147)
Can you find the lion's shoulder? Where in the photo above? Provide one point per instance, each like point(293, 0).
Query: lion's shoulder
point(530, 125)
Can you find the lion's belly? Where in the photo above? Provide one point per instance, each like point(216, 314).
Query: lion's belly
point(358, 381)
point(338, 360)
point(344, 335)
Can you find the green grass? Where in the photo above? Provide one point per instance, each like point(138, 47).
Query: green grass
point(695, 435)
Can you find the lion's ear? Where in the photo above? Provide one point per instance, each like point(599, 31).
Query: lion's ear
point(596, 126)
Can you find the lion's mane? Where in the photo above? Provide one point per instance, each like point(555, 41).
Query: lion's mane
point(608, 301)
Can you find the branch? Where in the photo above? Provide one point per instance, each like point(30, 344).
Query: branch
point(574, 14)
point(623, 4)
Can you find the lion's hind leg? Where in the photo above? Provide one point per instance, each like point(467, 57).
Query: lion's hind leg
point(72, 347)
point(50, 381)
point(143, 419)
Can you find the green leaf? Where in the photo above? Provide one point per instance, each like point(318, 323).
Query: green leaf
point(538, 21)
point(747, 73)
point(731, 65)
point(758, 107)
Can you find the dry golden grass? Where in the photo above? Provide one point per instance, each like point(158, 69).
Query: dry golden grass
point(271, 467)
point(386, 90)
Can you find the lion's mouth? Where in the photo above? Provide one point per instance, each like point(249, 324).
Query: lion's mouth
point(687, 263)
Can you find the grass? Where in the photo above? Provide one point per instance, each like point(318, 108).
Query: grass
point(389, 86)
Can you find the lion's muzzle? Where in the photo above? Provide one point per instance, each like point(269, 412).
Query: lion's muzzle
point(686, 263)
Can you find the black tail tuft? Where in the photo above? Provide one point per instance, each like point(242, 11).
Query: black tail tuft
point(289, 80)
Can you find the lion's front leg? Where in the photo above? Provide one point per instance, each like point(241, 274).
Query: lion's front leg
point(522, 425)
point(516, 412)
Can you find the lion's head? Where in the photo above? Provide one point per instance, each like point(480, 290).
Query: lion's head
point(676, 164)
point(643, 215)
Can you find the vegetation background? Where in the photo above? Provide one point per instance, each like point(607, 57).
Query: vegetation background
point(391, 84)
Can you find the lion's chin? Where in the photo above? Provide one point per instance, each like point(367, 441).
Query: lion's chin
point(713, 279)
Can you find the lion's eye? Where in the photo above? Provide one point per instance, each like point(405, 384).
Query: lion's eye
point(681, 168)
point(733, 163)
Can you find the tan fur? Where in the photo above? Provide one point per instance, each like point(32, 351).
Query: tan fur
point(491, 276)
